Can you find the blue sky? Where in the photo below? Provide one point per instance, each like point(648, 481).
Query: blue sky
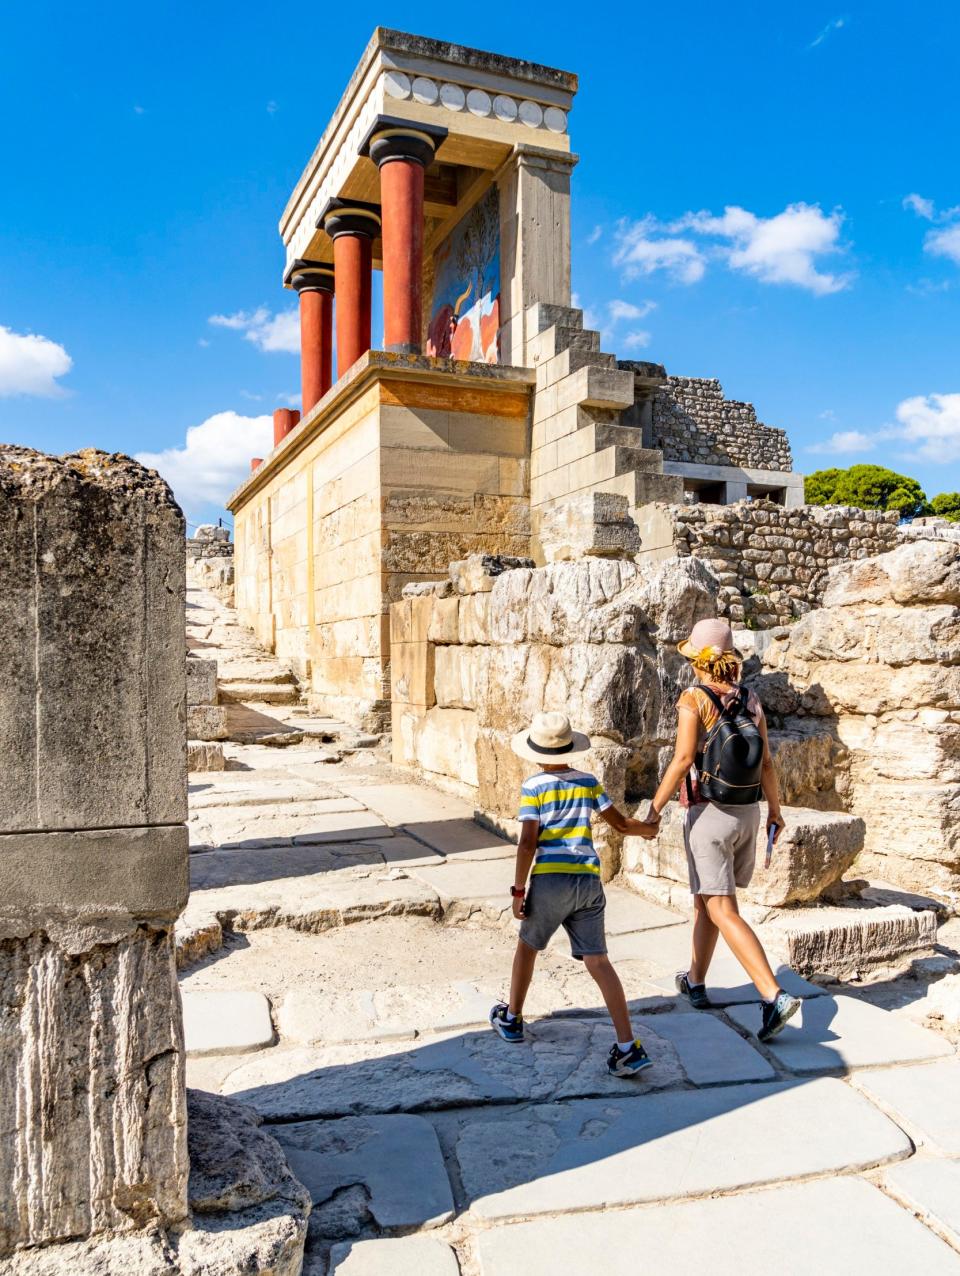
point(739, 211)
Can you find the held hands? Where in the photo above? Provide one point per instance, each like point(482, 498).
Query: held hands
point(647, 828)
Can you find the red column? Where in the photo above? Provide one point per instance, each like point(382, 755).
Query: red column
point(353, 264)
point(353, 228)
point(402, 155)
point(314, 281)
point(284, 419)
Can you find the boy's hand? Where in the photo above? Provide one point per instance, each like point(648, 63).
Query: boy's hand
point(642, 828)
point(519, 904)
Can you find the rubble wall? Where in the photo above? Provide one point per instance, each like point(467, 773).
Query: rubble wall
point(93, 848)
point(771, 563)
point(692, 422)
point(877, 668)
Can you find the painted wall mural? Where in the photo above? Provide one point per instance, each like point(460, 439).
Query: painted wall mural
point(465, 312)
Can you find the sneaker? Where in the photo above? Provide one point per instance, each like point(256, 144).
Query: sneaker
point(776, 1013)
point(509, 1029)
point(635, 1060)
point(696, 994)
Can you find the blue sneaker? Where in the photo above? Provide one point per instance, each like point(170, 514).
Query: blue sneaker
point(696, 994)
point(776, 1014)
point(509, 1029)
point(629, 1063)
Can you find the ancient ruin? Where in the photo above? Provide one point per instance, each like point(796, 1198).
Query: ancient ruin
point(487, 518)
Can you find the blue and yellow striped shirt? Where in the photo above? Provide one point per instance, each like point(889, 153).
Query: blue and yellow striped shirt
point(563, 802)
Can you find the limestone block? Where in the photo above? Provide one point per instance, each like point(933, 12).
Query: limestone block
point(204, 755)
point(410, 619)
point(473, 619)
point(806, 763)
point(406, 1256)
point(920, 572)
point(201, 681)
point(445, 621)
point(412, 672)
point(847, 941)
point(207, 722)
point(445, 743)
point(92, 564)
point(404, 720)
point(93, 1091)
point(597, 523)
point(460, 676)
point(476, 573)
point(942, 1002)
point(225, 1021)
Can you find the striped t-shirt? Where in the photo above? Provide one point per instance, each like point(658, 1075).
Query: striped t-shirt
point(564, 803)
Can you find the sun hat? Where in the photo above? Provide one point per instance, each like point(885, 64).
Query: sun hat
point(708, 640)
point(549, 739)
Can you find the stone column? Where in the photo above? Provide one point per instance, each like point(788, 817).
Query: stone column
point(534, 241)
point(284, 420)
point(314, 282)
point(93, 848)
point(402, 155)
point(353, 228)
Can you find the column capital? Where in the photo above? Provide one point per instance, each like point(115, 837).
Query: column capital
point(350, 217)
point(309, 276)
point(392, 138)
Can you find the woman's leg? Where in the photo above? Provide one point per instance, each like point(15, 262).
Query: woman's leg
point(705, 936)
point(524, 960)
point(742, 942)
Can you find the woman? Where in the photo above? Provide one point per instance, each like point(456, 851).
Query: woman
point(720, 837)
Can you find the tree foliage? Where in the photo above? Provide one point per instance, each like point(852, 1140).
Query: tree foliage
point(869, 487)
point(947, 505)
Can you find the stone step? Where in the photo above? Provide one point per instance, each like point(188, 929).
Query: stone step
point(252, 670)
point(591, 470)
point(561, 337)
point(641, 487)
point(543, 315)
point(258, 692)
point(849, 941)
point(596, 387)
point(570, 360)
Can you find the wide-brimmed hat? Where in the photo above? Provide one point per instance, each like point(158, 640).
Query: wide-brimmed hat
point(550, 739)
point(708, 640)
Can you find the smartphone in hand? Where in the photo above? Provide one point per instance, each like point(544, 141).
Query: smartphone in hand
point(771, 834)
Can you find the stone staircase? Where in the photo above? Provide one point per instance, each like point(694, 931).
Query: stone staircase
point(580, 442)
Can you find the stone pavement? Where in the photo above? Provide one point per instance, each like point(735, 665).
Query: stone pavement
point(347, 933)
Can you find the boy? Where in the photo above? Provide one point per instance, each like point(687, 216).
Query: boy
point(556, 805)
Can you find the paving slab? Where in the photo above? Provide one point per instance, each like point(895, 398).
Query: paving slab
point(230, 1022)
point(561, 1058)
point(298, 823)
point(628, 912)
point(923, 1098)
point(931, 1188)
point(596, 1153)
point(831, 1034)
point(407, 1256)
point(253, 788)
point(210, 870)
point(395, 1160)
point(838, 1225)
point(477, 882)
point(409, 803)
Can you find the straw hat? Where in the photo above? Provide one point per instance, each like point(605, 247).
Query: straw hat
point(708, 640)
point(549, 739)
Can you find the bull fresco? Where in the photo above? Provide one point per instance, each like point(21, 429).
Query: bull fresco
point(465, 312)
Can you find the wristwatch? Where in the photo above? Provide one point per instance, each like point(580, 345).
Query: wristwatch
point(518, 892)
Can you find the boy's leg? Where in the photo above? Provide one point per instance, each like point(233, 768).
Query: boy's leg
point(524, 961)
point(705, 936)
point(742, 942)
point(611, 989)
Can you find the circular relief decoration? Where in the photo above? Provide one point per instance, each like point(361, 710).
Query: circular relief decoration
point(397, 84)
point(555, 119)
point(425, 91)
point(531, 114)
point(478, 102)
point(452, 97)
point(504, 108)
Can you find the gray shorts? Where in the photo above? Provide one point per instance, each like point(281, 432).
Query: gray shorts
point(574, 901)
point(721, 844)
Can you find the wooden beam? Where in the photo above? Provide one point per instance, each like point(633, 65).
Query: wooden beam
point(473, 184)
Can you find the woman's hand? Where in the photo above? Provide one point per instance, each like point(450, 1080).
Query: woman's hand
point(775, 819)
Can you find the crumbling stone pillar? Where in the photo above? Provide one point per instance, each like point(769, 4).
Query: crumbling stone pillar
point(93, 848)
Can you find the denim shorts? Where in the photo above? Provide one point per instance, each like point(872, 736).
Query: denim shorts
point(574, 901)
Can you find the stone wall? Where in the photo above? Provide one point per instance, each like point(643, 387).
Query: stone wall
point(771, 562)
point(693, 422)
point(877, 670)
point(93, 866)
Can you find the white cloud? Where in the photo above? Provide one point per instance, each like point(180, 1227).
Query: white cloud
point(921, 206)
point(214, 459)
point(268, 332)
point(594, 234)
point(627, 310)
point(944, 242)
point(272, 107)
point(639, 254)
point(30, 364)
point(636, 339)
point(837, 24)
point(782, 249)
point(932, 423)
point(845, 442)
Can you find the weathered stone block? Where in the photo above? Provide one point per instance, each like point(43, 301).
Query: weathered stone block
point(849, 941)
point(204, 755)
point(460, 676)
point(207, 722)
point(412, 672)
point(445, 621)
point(201, 681)
point(476, 573)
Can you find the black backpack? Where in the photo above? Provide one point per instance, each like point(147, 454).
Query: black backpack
point(731, 760)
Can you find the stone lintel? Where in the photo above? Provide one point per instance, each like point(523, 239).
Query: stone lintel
point(139, 873)
point(734, 474)
point(374, 368)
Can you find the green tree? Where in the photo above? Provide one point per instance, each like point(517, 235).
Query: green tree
point(869, 487)
point(947, 505)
